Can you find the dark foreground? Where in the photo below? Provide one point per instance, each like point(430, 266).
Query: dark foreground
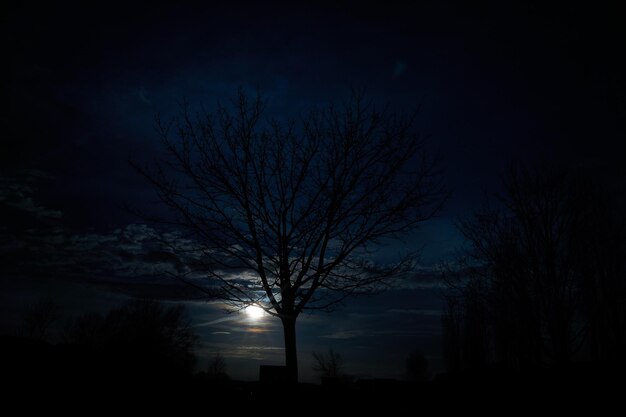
point(37, 376)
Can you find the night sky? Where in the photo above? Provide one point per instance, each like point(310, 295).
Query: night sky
point(496, 83)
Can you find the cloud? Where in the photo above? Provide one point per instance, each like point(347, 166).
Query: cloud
point(399, 68)
point(135, 259)
point(344, 334)
point(17, 193)
point(254, 352)
point(431, 312)
point(419, 278)
point(142, 94)
point(216, 321)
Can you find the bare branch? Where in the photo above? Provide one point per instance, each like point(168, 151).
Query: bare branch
point(293, 203)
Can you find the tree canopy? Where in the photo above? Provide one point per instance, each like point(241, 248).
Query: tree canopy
point(284, 212)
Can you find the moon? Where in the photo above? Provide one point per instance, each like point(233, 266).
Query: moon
point(254, 312)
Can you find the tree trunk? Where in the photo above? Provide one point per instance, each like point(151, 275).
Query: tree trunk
point(291, 356)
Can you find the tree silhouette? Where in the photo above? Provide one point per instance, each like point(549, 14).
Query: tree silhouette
point(38, 318)
point(216, 370)
point(451, 338)
point(328, 365)
point(543, 275)
point(417, 367)
point(283, 213)
point(140, 337)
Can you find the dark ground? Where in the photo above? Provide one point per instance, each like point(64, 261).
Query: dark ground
point(41, 376)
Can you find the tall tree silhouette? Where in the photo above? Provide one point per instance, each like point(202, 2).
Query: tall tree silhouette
point(294, 204)
point(141, 337)
point(39, 317)
point(328, 365)
point(544, 272)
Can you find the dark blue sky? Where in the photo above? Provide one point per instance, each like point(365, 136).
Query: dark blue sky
point(496, 83)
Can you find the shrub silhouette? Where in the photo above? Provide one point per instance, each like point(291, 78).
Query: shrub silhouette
point(142, 338)
point(216, 371)
point(38, 318)
point(417, 367)
point(328, 365)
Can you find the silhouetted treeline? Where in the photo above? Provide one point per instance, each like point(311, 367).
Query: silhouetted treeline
point(139, 345)
point(142, 336)
point(543, 281)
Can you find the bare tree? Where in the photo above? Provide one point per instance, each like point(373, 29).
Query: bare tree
point(417, 367)
point(216, 370)
point(451, 322)
point(38, 318)
point(141, 336)
point(543, 266)
point(283, 214)
point(328, 365)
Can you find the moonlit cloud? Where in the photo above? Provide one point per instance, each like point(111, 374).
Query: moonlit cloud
point(142, 94)
point(138, 260)
point(18, 193)
point(344, 334)
point(399, 68)
point(414, 311)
